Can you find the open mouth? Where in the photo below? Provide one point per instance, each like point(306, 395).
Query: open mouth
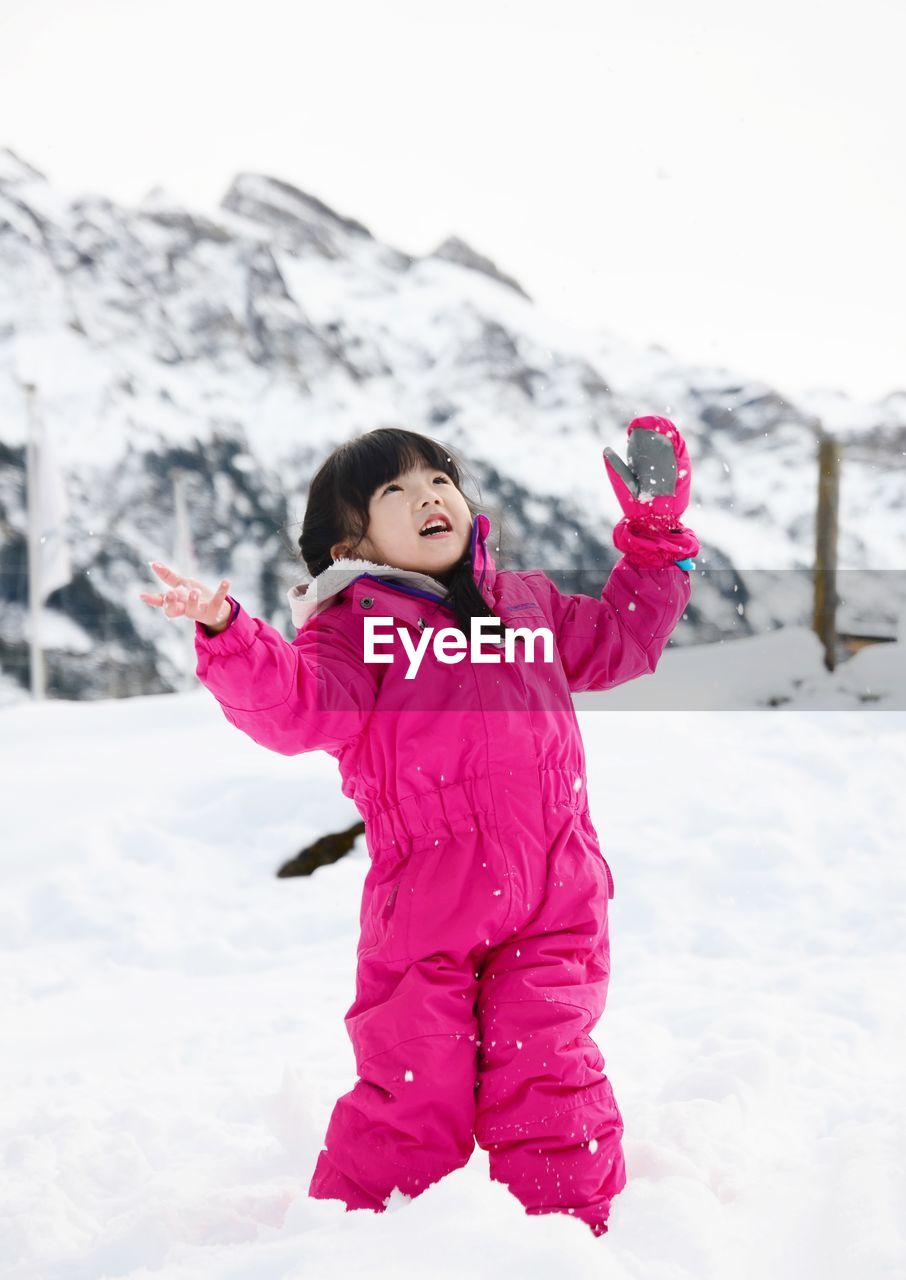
point(435, 528)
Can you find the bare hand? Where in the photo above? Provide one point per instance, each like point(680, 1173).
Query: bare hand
point(189, 598)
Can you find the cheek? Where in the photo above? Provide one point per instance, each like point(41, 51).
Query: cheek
point(377, 527)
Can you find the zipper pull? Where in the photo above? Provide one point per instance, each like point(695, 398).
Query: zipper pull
point(390, 901)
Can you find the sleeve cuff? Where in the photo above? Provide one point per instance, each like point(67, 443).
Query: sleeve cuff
point(237, 635)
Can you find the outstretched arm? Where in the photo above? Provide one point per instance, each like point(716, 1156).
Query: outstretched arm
point(313, 693)
point(622, 634)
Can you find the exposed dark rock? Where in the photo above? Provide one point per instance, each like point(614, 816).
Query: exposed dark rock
point(455, 250)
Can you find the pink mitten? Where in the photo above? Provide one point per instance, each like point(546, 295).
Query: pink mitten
point(652, 488)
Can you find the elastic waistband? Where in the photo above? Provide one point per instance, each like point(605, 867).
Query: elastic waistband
point(418, 820)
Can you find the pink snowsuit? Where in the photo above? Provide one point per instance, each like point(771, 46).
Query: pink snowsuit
point(483, 956)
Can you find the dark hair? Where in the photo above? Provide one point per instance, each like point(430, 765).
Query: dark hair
point(341, 490)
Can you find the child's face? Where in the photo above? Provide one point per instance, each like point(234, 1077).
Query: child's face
point(399, 509)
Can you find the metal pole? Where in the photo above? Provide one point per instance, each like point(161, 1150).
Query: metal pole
point(824, 619)
point(184, 559)
point(32, 446)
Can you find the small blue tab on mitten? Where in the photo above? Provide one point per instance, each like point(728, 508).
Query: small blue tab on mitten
point(686, 564)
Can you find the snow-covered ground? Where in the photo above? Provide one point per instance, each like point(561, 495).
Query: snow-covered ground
point(173, 1013)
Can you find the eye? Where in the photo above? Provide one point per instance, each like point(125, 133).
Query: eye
point(443, 479)
point(393, 485)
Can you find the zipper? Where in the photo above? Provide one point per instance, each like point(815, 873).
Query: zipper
point(609, 876)
point(390, 901)
point(484, 555)
point(585, 817)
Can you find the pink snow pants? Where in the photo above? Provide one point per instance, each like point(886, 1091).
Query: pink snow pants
point(483, 965)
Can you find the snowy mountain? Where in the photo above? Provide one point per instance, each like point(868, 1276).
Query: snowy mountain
point(240, 349)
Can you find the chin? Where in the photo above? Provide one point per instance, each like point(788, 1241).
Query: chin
point(439, 567)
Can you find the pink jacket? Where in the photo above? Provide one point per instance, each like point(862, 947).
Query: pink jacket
point(483, 954)
point(495, 739)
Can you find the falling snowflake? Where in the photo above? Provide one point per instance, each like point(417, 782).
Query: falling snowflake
point(408, 1075)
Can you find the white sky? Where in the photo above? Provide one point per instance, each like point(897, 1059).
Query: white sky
point(724, 179)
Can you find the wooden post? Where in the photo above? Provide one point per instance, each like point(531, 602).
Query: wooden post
point(824, 619)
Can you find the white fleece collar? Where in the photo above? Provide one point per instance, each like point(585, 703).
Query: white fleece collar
point(308, 598)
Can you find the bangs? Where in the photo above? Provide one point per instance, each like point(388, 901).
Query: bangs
point(376, 458)
point(380, 456)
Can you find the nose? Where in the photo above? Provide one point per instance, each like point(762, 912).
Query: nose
point(430, 495)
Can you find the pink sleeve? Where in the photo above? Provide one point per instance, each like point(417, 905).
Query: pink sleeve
point(607, 641)
point(314, 693)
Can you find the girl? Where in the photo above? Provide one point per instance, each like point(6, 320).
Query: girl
point(483, 955)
